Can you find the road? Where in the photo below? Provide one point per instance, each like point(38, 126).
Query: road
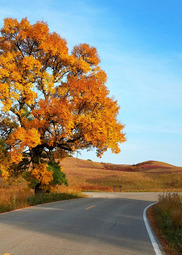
point(105, 224)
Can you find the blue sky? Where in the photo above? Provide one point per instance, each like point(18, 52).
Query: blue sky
point(140, 46)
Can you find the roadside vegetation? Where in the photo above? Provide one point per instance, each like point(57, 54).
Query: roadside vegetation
point(86, 175)
point(166, 220)
point(18, 195)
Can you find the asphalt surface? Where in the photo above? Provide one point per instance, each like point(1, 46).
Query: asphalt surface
point(105, 224)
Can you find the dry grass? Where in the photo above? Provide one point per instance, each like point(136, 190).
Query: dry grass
point(166, 220)
point(18, 195)
point(84, 175)
point(14, 195)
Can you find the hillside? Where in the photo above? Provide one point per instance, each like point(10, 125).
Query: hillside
point(146, 176)
point(147, 166)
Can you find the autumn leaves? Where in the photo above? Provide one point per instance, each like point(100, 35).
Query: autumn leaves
point(58, 100)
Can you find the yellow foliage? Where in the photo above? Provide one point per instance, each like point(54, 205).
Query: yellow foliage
point(10, 25)
point(4, 163)
point(87, 53)
point(59, 100)
point(30, 137)
point(16, 156)
point(4, 170)
point(20, 139)
point(41, 173)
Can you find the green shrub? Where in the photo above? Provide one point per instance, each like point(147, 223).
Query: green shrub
point(58, 176)
point(51, 197)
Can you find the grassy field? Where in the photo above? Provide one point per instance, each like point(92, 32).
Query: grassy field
point(85, 175)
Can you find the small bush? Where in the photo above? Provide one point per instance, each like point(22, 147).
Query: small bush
point(51, 197)
point(58, 176)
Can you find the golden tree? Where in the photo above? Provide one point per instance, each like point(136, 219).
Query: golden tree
point(58, 99)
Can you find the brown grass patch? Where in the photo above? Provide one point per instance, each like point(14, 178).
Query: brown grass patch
point(14, 195)
point(18, 195)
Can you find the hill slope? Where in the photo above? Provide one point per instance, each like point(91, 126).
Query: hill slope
point(146, 176)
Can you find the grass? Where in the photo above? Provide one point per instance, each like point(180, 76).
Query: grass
point(84, 175)
point(166, 220)
point(18, 195)
point(13, 196)
point(52, 197)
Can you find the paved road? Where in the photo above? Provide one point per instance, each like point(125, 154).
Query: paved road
point(105, 224)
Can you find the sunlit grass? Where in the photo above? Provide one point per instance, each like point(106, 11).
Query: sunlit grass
point(13, 196)
point(166, 218)
point(84, 175)
point(18, 195)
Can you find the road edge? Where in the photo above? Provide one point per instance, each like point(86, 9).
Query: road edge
point(153, 238)
point(39, 205)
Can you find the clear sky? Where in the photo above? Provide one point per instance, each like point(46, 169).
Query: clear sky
point(140, 46)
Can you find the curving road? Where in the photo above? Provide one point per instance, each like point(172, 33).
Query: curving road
point(104, 224)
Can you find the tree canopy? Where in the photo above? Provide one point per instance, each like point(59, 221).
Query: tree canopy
point(51, 99)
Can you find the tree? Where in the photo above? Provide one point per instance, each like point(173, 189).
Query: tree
point(57, 99)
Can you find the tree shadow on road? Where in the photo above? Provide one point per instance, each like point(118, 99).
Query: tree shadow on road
point(83, 226)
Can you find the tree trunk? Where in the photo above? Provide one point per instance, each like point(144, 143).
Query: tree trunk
point(38, 190)
point(36, 159)
point(36, 154)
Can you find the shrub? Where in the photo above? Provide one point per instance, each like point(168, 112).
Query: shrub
point(168, 211)
point(58, 176)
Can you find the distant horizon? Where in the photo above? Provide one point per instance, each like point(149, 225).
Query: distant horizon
point(139, 44)
point(97, 160)
point(103, 162)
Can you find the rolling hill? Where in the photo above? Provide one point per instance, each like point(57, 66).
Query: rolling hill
point(86, 175)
